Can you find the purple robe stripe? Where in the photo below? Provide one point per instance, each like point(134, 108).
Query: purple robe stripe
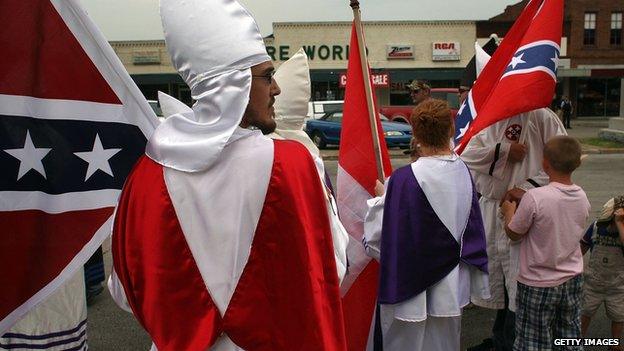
point(417, 250)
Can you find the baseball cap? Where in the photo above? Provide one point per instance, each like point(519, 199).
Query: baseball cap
point(609, 208)
point(418, 85)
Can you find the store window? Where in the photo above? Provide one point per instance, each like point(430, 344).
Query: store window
point(598, 97)
point(150, 91)
point(616, 28)
point(325, 91)
point(589, 34)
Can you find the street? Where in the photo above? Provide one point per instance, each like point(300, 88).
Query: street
point(110, 328)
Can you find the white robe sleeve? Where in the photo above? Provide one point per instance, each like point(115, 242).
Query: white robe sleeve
point(340, 236)
point(550, 126)
point(486, 157)
point(372, 227)
point(117, 292)
point(372, 224)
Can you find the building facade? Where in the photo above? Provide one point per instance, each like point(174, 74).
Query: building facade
point(399, 51)
point(592, 71)
point(149, 65)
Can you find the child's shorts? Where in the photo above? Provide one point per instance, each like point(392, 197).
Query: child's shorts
point(604, 283)
point(545, 314)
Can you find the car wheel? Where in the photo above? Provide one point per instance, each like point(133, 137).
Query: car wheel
point(318, 140)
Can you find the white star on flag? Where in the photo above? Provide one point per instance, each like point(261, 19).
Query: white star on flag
point(30, 157)
point(556, 60)
point(98, 158)
point(516, 60)
point(461, 108)
point(463, 131)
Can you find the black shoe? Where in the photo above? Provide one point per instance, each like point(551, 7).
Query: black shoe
point(485, 345)
point(92, 292)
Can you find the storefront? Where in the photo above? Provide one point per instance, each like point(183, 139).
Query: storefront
point(595, 92)
point(598, 97)
point(150, 67)
point(399, 51)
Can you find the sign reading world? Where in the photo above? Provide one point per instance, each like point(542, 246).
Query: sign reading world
point(446, 51)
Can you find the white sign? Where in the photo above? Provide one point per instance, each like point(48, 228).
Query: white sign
point(446, 51)
point(399, 51)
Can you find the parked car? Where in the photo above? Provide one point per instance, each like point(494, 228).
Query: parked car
point(402, 113)
point(318, 109)
point(326, 130)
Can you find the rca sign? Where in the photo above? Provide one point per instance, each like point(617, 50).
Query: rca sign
point(446, 51)
point(380, 80)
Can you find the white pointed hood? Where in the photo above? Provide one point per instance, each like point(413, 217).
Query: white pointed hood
point(213, 44)
point(482, 58)
point(171, 106)
point(291, 106)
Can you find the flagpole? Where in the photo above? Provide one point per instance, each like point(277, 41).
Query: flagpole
point(355, 5)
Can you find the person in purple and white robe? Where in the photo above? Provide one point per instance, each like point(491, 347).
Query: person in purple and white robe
point(426, 230)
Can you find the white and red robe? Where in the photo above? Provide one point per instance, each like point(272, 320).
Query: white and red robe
point(239, 256)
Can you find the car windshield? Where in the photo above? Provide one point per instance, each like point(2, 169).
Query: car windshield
point(337, 117)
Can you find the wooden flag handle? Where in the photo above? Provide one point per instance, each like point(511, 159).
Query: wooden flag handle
point(355, 5)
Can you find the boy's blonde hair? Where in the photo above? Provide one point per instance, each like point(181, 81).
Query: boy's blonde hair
point(563, 153)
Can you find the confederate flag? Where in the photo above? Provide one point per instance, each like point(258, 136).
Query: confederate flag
point(522, 74)
point(72, 125)
point(356, 178)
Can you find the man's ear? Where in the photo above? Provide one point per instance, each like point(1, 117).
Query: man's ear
point(545, 164)
point(245, 120)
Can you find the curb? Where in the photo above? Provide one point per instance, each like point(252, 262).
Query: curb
point(587, 149)
point(392, 157)
point(603, 151)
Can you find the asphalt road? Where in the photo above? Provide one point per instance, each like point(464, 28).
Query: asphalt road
point(601, 176)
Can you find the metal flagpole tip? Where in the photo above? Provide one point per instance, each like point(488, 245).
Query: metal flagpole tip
point(355, 4)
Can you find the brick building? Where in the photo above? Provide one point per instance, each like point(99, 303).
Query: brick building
point(591, 71)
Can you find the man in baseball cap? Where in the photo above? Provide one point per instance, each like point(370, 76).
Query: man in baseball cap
point(419, 91)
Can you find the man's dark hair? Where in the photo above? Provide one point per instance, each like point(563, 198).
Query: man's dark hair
point(563, 153)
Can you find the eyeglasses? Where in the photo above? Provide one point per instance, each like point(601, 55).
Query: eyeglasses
point(268, 77)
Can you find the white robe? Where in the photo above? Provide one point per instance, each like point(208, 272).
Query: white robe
point(431, 321)
point(60, 319)
point(487, 157)
point(237, 178)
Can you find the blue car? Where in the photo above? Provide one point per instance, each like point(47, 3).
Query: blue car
point(326, 130)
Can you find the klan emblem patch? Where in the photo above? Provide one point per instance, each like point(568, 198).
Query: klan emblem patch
point(513, 132)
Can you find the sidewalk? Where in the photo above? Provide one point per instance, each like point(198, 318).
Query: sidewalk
point(581, 129)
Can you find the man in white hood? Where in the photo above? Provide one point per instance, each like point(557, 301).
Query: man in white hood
point(223, 238)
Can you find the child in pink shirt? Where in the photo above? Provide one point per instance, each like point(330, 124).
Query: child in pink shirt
point(549, 221)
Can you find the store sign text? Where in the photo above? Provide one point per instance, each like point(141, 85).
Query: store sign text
point(314, 52)
point(146, 57)
point(400, 52)
point(380, 80)
point(446, 51)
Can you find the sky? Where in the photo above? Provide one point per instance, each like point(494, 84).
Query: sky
point(139, 19)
